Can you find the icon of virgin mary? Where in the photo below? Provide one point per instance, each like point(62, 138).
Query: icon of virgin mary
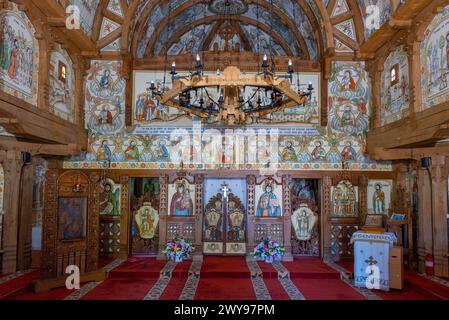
point(181, 203)
point(268, 205)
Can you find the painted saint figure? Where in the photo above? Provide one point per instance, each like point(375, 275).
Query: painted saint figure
point(379, 200)
point(111, 201)
point(181, 203)
point(104, 152)
point(268, 205)
point(348, 82)
point(289, 153)
point(132, 152)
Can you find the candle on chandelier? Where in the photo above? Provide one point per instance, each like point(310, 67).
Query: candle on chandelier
point(173, 67)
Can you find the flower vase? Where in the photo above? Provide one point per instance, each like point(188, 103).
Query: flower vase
point(269, 259)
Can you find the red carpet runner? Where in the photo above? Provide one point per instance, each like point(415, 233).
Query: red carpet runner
point(222, 278)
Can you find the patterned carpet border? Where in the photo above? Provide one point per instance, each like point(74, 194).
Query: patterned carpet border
point(15, 275)
point(368, 294)
point(435, 279)
point(78, 294)
point(284, 278)
point(161, 284)
point(191, 285)
point(259, 286)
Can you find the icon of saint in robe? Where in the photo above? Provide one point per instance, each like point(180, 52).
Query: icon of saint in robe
point(268, 205)
point(181, 203)
point(379, 200)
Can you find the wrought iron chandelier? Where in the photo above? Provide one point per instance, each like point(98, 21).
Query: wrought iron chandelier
point(232, 97)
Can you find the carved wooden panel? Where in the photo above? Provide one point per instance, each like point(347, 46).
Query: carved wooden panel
point(82, 252)
point(272, 228)
point(109, 236)
point(340, 240)
point(184, 227)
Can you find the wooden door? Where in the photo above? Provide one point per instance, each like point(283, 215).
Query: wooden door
point(224, 226)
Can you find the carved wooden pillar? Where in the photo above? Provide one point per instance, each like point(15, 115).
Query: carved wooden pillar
point(199, 205)
point(424, 212)
point(287, 218)
point(325, 214)
point(12, 167)
point(163, 202)
point(415, 77)
point(439, 174)
point(25, 217)
point(125, 218)
point(250, 211)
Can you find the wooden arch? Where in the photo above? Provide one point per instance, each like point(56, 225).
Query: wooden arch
point(131, 28)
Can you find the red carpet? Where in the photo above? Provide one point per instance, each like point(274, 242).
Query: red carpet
point(226, 278)
point(17, 284)
point(415, 287)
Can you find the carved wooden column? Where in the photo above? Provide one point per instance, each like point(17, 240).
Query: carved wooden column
point(125, 218)
point(325, 214)
point(250, 212)
point(163, 202)
point(199, 205)
point(424, 228)
point(439, 174)
point(12, 167)
point(25, 217)
point(287, 218)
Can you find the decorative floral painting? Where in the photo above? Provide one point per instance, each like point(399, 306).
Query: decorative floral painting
point(435, 61)
point(379, 196)
point(181, 195)
point(269, 199)
point(19, 54)
point(72, 218)
point(105, 97)
point(395, 97)
point(62, 85)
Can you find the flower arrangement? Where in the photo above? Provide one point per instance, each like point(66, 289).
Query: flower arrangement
point(269, 250)
point(178, 249)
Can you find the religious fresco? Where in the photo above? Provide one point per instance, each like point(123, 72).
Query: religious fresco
point(72, 218)
point(105, 97)
point(251, 11)
point(348, 100)
point(19, 54)
point(62, 85)
point(87, 9)
point(269, 199)
point(344, 197)
point(373, 9)
point(395, 96)
point(146, 108)
point(192, 41)
point(110, 198)
point(181, 195)
point(147, 220)
point(435, 61)
point(304, 148)
point(379, 196)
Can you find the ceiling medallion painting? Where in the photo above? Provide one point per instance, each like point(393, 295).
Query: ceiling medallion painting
point(228, 7)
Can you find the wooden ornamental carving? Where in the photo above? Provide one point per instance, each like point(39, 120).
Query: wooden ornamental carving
point(71, 222)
